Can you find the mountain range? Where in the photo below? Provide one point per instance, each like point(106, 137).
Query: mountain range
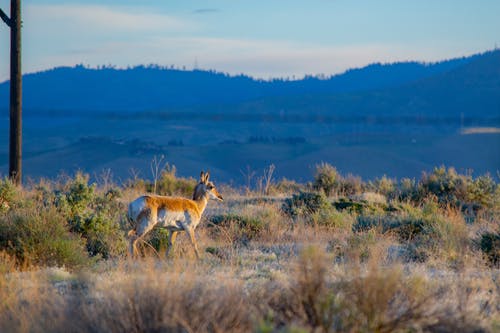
point(468, 86)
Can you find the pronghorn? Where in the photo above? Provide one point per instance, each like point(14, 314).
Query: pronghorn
point(173, 213)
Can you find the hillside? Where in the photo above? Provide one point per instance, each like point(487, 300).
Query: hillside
point(80, 89)
point(470, 90)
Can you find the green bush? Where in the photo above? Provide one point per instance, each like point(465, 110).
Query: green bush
point(425, 232)
point(350, 185)
point(330, 217)
point(41, 237)
point(287, 186)
point(482, 191)
point(325, 178)
point(158, 239)
point(407, 190)
point(359, 207)
point(8, 193)
point(359, 244)
point(170, 184)
point(244, 227)
point(453, 189)
point(440, 182)
point(490, 246)
point(96, 217)
point(304, 204)
point(385, 186)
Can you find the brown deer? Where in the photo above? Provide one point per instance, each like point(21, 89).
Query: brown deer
point(173, 213)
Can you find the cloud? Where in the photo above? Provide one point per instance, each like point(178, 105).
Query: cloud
point(205, 11)
point(277, 58)
point(56, 35)
point(97, 17)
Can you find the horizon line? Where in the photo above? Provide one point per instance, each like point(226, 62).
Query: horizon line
point(319, 76)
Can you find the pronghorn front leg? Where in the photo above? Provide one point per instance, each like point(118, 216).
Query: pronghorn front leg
point(171, 240)
point(190, 232)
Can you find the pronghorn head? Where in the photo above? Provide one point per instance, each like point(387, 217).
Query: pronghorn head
point(205, 187)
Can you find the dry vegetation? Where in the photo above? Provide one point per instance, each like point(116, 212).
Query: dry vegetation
point(337, 255)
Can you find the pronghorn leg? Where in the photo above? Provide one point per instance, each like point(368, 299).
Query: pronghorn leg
point(147, 221)
point(132, 247)
point(193, 241)
point(131, 244)
point(171, 240)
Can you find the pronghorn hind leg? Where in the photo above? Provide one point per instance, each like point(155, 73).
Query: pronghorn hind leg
point(132, 247)
point(171, 241)
point(146, 222)
point(132, 237)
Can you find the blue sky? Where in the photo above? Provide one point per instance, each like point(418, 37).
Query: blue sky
point(262, 38)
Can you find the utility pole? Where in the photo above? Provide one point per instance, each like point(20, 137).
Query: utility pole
point(15, 137)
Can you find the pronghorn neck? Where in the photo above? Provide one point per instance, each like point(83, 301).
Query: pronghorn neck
point(202, 203)
point(200, 196)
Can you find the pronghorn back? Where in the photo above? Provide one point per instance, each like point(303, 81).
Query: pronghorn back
point(160, 204)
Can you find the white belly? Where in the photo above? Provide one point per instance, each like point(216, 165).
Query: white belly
point(172, 220)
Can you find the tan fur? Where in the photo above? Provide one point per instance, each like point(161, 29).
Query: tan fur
point(173, 213)
point(173, 204)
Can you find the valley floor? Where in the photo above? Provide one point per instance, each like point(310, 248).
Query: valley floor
point(127, 147)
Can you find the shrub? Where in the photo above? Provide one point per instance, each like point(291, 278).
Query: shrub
point(425, 232)
point(77, 199)
point(490, 246)
point(8, 193)
point(243, 228)
point(170, 184)
point(482, 191)
point(380, 299)
point(446, 184)
point(325, 178)
point(304, 204)
point(350, 185)
point(406, 227)
point(407, 190)
point(287, 186)
point(158, 239)
point(360, 245)
point(330, 217)
point(384, 186)
point(371, 198)
point(359, 207)
point(41, 237)
point(95, 217)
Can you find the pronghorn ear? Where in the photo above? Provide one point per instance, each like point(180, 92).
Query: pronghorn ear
point(207, 175)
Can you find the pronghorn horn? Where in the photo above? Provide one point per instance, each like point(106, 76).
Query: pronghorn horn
point(202, 176)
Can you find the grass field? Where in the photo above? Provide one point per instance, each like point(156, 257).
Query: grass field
point(337, 255)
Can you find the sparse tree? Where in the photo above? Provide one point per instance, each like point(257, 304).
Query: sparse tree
point(248, 175)
point(266, 180)
point(157, 165)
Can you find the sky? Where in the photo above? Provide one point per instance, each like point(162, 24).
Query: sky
point(261, 38)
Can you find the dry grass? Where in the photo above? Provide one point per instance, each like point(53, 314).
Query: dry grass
point(262, 292)
point(261, 271)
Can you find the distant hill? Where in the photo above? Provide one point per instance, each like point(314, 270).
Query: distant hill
point(470, 89)
point(453, 86)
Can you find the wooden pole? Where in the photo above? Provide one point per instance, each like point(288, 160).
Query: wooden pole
point(15, 135)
